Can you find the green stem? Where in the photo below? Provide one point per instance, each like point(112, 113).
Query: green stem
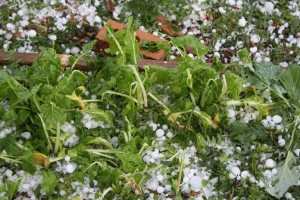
point(57, 140)
point(120, 94)
point(46, 133)
point(141, 84)
point(293, 133)
point(179, 176)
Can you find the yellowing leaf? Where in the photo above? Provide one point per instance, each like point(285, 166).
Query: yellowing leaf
point(77, 198)
point(40, 159)
point(74, 97)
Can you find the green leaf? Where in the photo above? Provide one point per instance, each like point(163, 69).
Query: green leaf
point(130, 162)
point(246, 59)
point(234, 84)
point(290, 78)
point(191, 41)
point(285, 178)
point(267, 72)
point(100, 115)
point(53, 114)
point(9, 145)
point(49, 182)
point(11, 188)
point(88, 47)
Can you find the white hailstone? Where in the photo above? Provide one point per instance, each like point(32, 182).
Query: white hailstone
point(31, 33)
point(160, 132)
point(235, 170)
point(231, 176)
point(281, 142)
point(20, 13)
point(52, 37)
point(165, 127)
point(283, 64)
point(160, 189)
point(277, 119)
point(252, 179)
point(217, 54)
point(239, 4)
point(288, 195)
point(160, 178)
point(153, 126)
point(97, 19)
point(274, 171)
point(297, 152)
point(67, 51)
point(244, 174)
point(152, 184)
point(231, 113)
point(261, 184)
point(253, 49)
point(155, 154)
point(196, 183)
point(70, 168)
point(255, 38)
point(214, 180)
point(242, 22)
point(67, 158)
point(231, 2)
point(62, 193)
point(26, 186)
point(75, 50)
point(269, 6)
point(26, 135)
point(222, 10)
point(172, 57)
point(8, 173)
point(168, 187)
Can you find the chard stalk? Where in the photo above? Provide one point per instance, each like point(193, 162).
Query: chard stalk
point(46, 133)
point(138, 78)
point(57, 141)
point(179, 176)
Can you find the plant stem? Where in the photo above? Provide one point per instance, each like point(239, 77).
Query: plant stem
point(57, 141)
point(46, 133)
point(141, 84)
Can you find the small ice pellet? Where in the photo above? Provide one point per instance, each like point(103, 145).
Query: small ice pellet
point(281, 142)
point(277, 119)
point(160, 132)
point(270, 163)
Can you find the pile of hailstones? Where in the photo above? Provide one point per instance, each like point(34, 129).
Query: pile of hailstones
point(193, 174)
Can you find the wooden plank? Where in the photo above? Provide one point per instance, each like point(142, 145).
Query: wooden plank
point(29, 58)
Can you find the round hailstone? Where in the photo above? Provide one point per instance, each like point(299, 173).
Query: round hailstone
point(297, 152)
point(235, 171)
point(31, 33)
point(270, 163)
point(242, 22)
point(288, 195)
point(160, 178)
point(160, 132)
point(165, 127)
point(52, 37)
point(253, 49)
point(152, 184)
point(231, 2)
point(70, 168)
point(231, 113)
point(277, 119)
point(255, 38)
point(269, 6)
point(26, 135)
point(222, 10)
point(281, 142)
point(75, 50)
point(67, 158)
point(160, 189)
point(244, 174)
point(196, 183)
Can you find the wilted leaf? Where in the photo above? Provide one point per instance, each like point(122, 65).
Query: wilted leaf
point(49, 182)
point(285, 178)
point(39, 159)
point(290, 78)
